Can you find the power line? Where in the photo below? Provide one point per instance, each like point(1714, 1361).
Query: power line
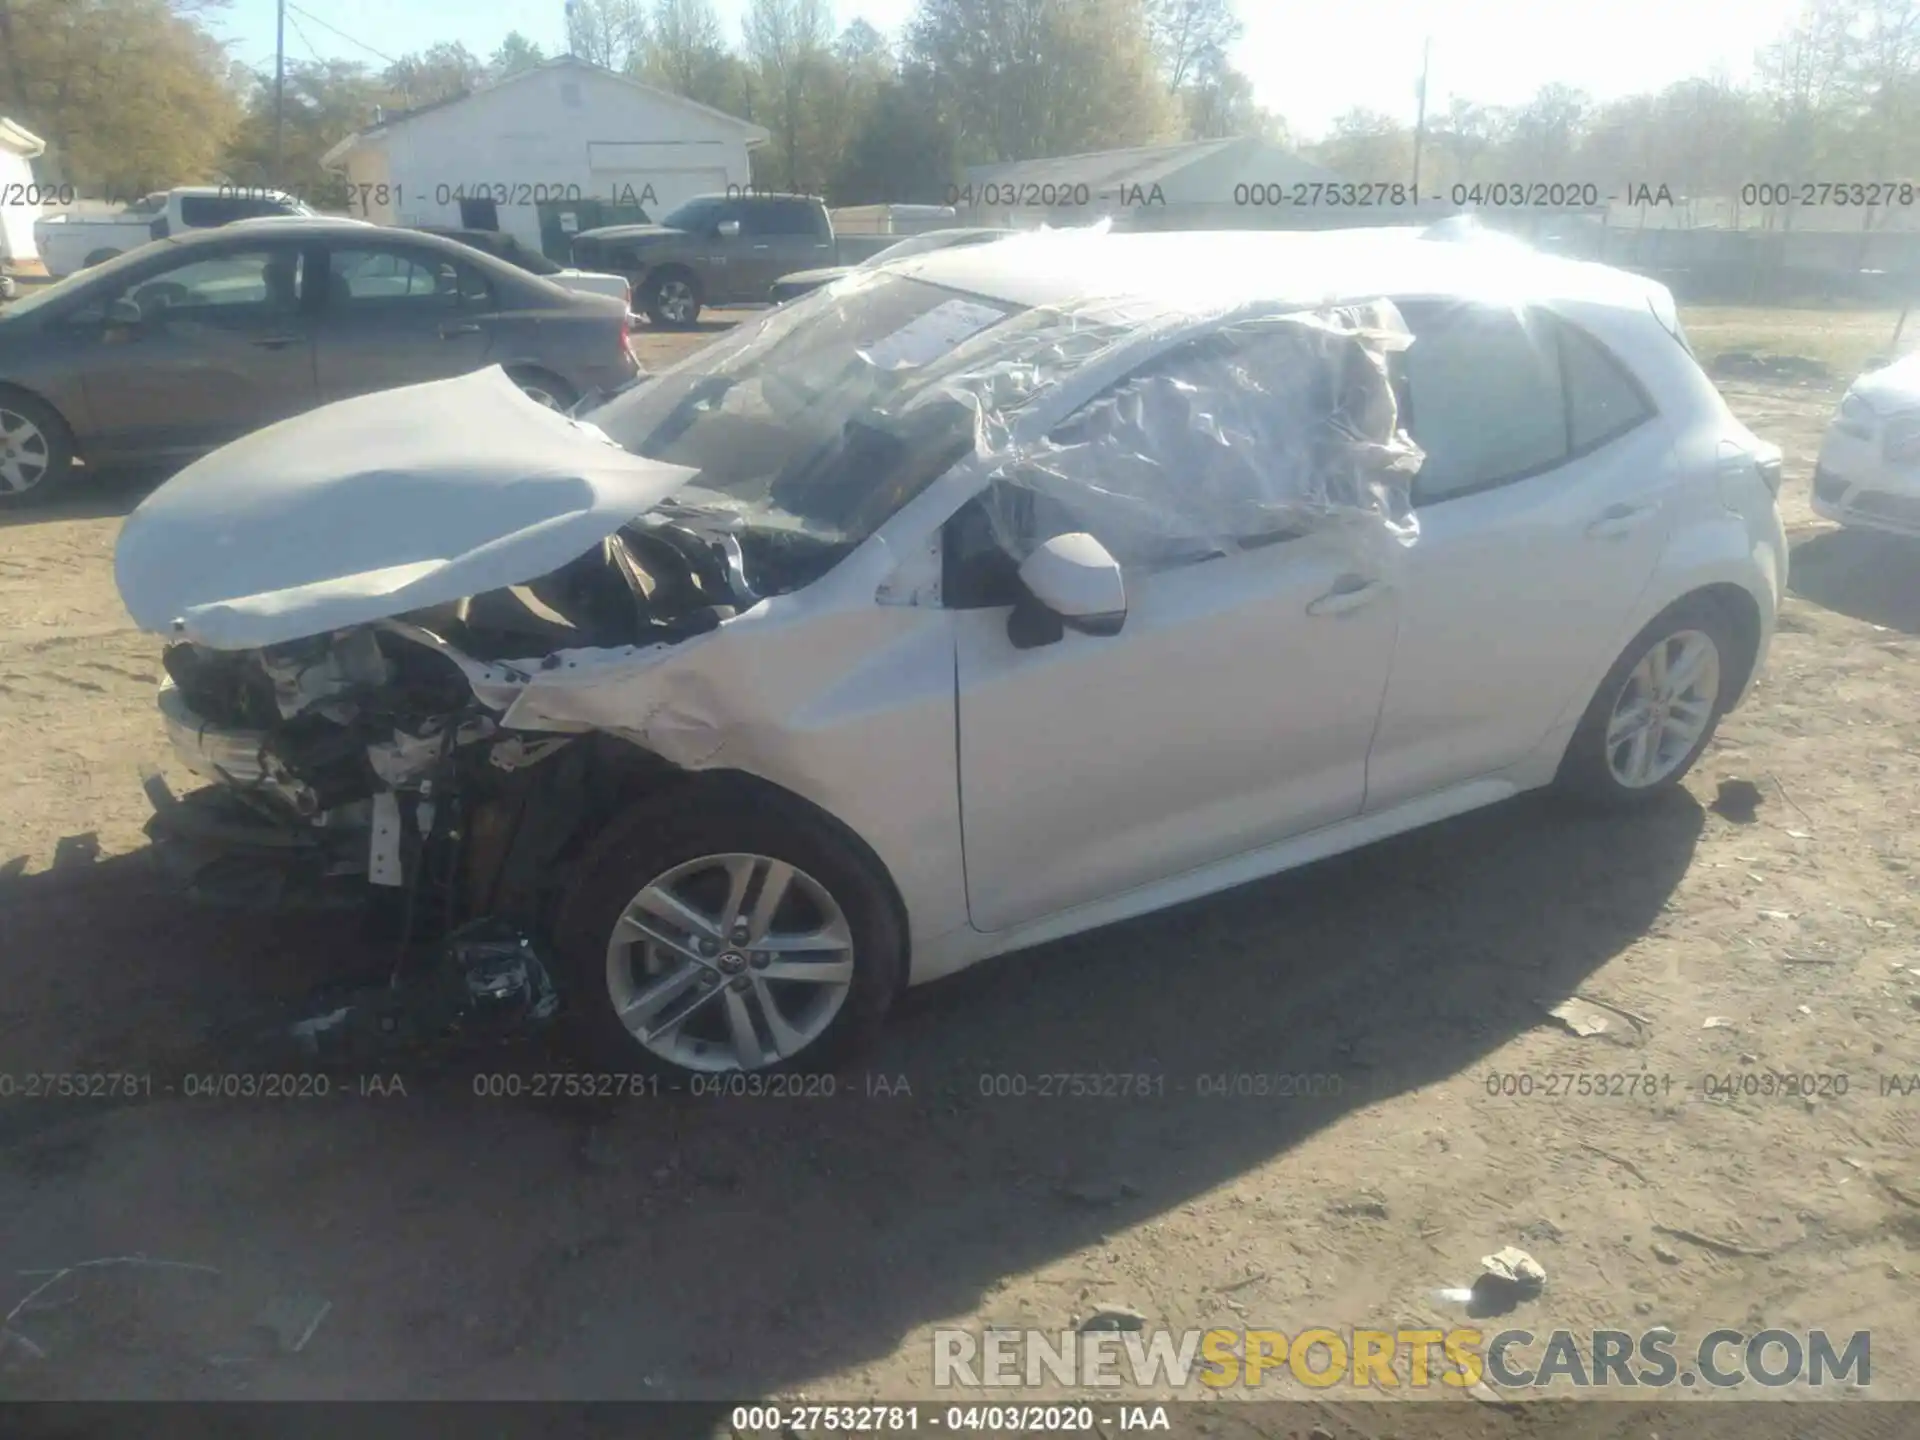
point(311, 50)
point(341, 33)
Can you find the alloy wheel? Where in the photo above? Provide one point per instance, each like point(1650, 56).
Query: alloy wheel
point(25, 453)
point(729, 962)
point(676, 301)
point(1663, 709)
point(541, 396)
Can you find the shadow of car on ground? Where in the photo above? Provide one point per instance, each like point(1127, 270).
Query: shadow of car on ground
point(1866, 574)
point(666, 1246)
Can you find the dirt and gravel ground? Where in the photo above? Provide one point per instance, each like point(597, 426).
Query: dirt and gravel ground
point(475, 1247)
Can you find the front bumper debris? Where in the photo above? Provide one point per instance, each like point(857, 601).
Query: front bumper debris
point(227, 853)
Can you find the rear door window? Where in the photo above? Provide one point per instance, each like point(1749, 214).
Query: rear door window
point(379, 277)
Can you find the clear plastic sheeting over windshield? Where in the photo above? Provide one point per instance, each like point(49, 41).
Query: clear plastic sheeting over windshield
point(1240, 432)
point(830, 414)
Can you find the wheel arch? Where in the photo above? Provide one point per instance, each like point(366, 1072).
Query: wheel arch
point(14, 387)
point(535, 369)
point(634, 776)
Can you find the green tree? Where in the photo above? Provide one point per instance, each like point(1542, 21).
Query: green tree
point(439, 73)
point(129, 95)
point(787, 53)
point(900, 151)
point(686, 55)
point(1019, 79)
point(326, 102)
point(516, 53)
point(1366, 145)
point(1218, 103)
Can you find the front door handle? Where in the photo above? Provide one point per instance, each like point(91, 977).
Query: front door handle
point(448, 332)
point(1618, 520)
point(1348, 594)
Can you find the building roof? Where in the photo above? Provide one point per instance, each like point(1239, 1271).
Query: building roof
point(1106, 171)
point(754, 134)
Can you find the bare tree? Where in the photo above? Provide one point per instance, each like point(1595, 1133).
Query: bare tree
point(1188, 35)
point(608, 33)
point(786, 46)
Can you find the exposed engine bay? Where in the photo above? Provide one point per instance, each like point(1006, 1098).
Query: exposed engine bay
point(369, 756)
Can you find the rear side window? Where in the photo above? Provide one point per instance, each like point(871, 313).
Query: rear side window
point(1496, 395)
point(782, 217)
point(205, 211)
point(1484, 389)
point(1602, 400)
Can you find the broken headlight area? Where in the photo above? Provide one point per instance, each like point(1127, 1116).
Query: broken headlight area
point(375, 756)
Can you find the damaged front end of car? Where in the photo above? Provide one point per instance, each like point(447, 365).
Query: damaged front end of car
point(352, 759)
point(376, 756)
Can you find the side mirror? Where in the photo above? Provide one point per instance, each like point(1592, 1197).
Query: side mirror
point(727, 229)
point(123, 314)
point(1077, 583)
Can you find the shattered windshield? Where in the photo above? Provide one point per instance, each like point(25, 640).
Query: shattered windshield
point(830, 414)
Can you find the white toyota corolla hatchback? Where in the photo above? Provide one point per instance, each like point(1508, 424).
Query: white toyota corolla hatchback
point(957, 607)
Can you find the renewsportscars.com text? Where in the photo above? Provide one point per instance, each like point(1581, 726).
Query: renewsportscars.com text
point(1404, 1358)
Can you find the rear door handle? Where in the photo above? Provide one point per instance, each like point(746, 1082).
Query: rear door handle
point(1618, 520)
point(276, 342)
point(448, 332)
point(1348, 594)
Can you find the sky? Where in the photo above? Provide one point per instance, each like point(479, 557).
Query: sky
point(1309, 66)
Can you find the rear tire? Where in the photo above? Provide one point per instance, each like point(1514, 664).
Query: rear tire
point(36, 450)
point(549, 390)
point(672, 299)
point(1656, 711)
point(834, 895)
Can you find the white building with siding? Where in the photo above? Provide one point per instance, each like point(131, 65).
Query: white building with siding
point(20, 196)
point(556, 149)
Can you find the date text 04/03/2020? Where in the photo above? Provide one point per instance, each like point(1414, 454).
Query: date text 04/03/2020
point(876, 1419)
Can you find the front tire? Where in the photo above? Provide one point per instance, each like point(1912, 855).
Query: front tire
point(1656, 711)
point(702, 940)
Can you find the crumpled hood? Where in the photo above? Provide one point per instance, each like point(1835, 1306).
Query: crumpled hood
point(375, 506)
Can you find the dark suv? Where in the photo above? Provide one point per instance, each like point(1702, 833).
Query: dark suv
point(713, 250)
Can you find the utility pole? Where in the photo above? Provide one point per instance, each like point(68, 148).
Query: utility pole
point(279, 89)
point(1420, 119)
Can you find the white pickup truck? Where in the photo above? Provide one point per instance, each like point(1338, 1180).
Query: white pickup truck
point(72, 242)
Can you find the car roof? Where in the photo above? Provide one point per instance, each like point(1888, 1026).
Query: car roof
point(1205, 270)
point(319, 227)
point(758, 195)
point(315, 225)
